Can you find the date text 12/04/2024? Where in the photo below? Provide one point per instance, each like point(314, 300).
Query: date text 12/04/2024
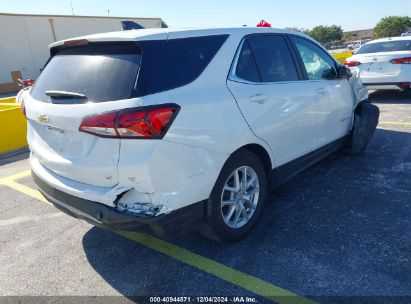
point(202, 299)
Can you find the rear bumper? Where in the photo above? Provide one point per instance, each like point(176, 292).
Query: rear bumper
point(109, 218)
point(162, 173)
point(384, 81)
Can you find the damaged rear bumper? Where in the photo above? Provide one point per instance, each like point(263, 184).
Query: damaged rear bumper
point(108, 217)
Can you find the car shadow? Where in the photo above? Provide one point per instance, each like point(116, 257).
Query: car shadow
point(390, 96)
point(331, 230)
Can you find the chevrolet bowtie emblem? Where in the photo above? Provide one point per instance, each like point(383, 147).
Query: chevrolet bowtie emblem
point(42, 118)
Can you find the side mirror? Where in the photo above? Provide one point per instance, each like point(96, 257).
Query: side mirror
point(343, 72)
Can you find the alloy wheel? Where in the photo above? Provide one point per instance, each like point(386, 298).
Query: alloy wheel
point(239, 197)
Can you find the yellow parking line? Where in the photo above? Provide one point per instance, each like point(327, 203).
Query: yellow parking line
point(10, 181)
point(24, 189)
point(219, 270)
point(15, 176)
point(403, 123)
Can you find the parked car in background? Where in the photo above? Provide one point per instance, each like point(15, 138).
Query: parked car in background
point(355, 45)
point(161, 127)
point(406, 34)
point(384, 63)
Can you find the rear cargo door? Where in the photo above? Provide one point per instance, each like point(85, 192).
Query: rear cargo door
point(77, 82)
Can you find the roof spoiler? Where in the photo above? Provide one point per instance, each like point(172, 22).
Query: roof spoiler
point(131, 25)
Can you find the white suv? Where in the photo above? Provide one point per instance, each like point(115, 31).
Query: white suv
point(163, 128)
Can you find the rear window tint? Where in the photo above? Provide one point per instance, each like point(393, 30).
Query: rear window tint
point(386, 46)
point(109, 72)
point(176, 62)
point(102, 72)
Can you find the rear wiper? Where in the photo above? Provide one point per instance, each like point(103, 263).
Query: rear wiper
point(64, 94)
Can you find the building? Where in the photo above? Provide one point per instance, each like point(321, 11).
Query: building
point(24, 40)
point(358, 35)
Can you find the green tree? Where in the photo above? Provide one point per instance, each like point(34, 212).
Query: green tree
point(392, 26)
point(335, 33)
point(326, 34)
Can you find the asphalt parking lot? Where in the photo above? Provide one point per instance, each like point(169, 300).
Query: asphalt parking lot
point(338, 232)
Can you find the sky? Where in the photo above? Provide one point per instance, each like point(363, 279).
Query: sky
point(349, 14)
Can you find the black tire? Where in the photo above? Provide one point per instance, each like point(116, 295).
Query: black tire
point(365, 123)
point(215, 228)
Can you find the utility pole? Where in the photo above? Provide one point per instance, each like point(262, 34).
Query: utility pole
point(72, 9)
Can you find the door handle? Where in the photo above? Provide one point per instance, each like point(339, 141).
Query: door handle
point(322, 91)
point(259, 98)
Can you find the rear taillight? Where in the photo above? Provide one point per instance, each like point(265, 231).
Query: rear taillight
point(144, 122)
point(404, 60)
point(352, 63)
point(101, 125)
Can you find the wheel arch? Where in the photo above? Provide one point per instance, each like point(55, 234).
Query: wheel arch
point(262, 154)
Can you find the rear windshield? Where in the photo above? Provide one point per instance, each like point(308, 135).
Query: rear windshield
point(125, 70)
point(101, 72)
point(386, 46)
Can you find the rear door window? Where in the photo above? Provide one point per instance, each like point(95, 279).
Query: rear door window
point(101, 72)
point(273, 58)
